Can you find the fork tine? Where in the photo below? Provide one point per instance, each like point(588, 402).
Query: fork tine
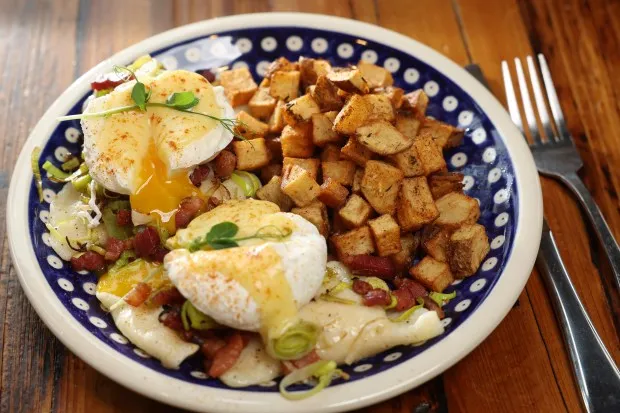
point(530, 117)
point(540, 99)
point(554, 102)
point(511, 97)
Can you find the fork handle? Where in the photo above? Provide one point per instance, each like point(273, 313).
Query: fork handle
point(603, 232)
point(596, 373)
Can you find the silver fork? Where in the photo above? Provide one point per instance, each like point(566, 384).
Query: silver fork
point(596, 373)
point(556, 156)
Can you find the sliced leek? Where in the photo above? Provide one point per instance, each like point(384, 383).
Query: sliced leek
point(296, 342)
point(324, 371)
point(36, 172)
point(440, 298)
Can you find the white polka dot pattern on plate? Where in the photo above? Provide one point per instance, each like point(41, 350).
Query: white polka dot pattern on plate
point(54, 261)
point(243, 44)
point(240, 64)
point(462, 305)
point(362, 368)
point(489, 155)
point(218, 49)
point(120, 339)
point(468, 182)
point(141, 353)
point(81, 304)
point(261, 67)
point(431, 88)
point(97, 322)
point(411, 75)
point(294, 43)
point(170, 62)
point(192, 54)
point(449, 103)
point(90, 288)
point(45, 237)
point(48, 195)
point(198, 374)
point(446, 322)
point(466, 117)
point(478, 136)
point(489, 264)
point(65, 284)
point(458, 160)
point(478, 285)
point(392, 357)
point(498, 242)
point(319, 45)
point(501, 219)
point(345, 50)
point(494, 175)
point(369, 56)
point(501, 196)
point(72, 135)
point(61, 154)
point(82, 272)
point(44, 215)
point(392, 64)
point(269, 44)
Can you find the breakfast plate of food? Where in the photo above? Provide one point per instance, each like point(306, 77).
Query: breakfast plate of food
point(274, 212)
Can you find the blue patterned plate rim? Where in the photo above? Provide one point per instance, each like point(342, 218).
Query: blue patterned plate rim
point(372, 389)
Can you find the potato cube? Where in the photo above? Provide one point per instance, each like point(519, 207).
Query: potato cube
point(415, 204)
point(297, 141)
point(467, 248)
point(285, 85)
point(349, 80)
point(395, 94)
point(356, 188)
point(435, 241)
point(331, 115)
point(281, 64)
point(356, 152)
point(264, 83)
point(262, 104)
point(444, 135)
point(249, 127)
point(353, 115)
point(355, 242)
point(416, 102)
point(275, 148)
point(386, 234)
point(380, 186)
point(311, 69)
point(456, 209)
point(430, 155)
point(408, 126)
point(309, 164)
point(276, 121)
point(239, 86)
point(325, 94)
point(408, 161)
point(300, 110)
point(331, 152)
point(340, 171)
point(252, 154)
point(316, 213)
point(333, 194)
point(382, 138)
point(375, 76)
point(299, 185)
point(380, 108)
point(322, 132)
point(434, 275)
point(409, 244)
point(269, 172)
point(355, 212)
point(272, 192)
point(445, 182)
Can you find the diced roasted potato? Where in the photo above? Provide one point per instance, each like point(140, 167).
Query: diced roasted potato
point(382, 138)
point(467, 248)
point(349, 80)
point(355, 242)
point(380, 186)
point(456, 209)
point(408, 125)
point(284, 85)
point(333, 194)
point(445, 182)
point(340, 171)
point(269, 172)
point(264, 83)
point(415, 204)
point(409, 244)
point(434, 275)
point(252, 154)
point(309, 164)
point(331, 115)
point(386, 234)
point(322, 132)
point(430, 155)
point(239, 86)
point(262, 104)
point(353, 115)
point(276, 121)
point(435, 241)
point(299, 185)
point(355, 212)
point(408, 161)
point(300, 110)
point(275, 148)
point(316, 213)
point(281, 64)
point(356, 152)
point(297, 141)
point(380, 108)
point(395, 94)
point(325, 94)
point(444, 135)
point(356, 188)
point(416, 102)
point(311, 69)
point(330, 153)
point(249, 127)
point(375, 76)
point(272, 192)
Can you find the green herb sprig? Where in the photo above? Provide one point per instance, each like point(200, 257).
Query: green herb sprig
point(222, 236)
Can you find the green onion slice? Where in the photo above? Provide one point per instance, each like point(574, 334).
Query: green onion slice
point(81, 184)
point(70, 165)
point(324, 371)
point(55, 172)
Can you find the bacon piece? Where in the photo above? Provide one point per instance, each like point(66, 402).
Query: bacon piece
point(211, 346)
point(123, 217)
point(172, 319)
point(417, 290)
point(225, 164)
point(159, 254)
point(431, 305)
point(113, 248)
point(146, 242)
point(404, 299)
point(289, 366)
point(207, 74)
point(227, 356)
point(376, 296)
point(199, 174)
point(189, 208)
point(167, 297)
point(110, 80)
point(89, 261)
point(138, 294)
point(369, 265)
point(361, 287)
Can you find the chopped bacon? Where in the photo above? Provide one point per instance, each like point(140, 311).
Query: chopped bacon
point(146, 242)
point(431, 305)
point(225, 164)
point(172, 319)
point(167, 297)
point(306, 360)
point(213, 202)
point(123, 217)
point(376, 296)
point(159, 254)
point(369, 265)
point(211, 346)
point(189, 208)
point(90, 261)
point(138, 294)
point(227, 356)
point(113, 248)
point(361, 287)
point(404, 299)
point(199, 174)
point(207, 74)
point(416, 289)
point(110, 80)
point(128, 243)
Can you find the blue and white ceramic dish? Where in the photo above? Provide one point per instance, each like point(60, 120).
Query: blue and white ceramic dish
point(499, 172)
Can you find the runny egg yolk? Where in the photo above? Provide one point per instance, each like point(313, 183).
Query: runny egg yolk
point(160, 192)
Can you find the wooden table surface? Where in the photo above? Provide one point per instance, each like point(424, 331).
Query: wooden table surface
point(522, 365)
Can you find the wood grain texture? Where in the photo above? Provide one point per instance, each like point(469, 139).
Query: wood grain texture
point(523, 365)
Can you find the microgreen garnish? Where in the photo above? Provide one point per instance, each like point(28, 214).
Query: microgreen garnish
point(182, 100)
point(222, 236)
